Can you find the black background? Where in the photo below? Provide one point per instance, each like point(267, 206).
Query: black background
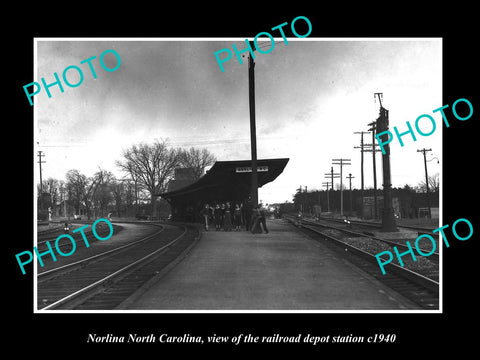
point(66, 334)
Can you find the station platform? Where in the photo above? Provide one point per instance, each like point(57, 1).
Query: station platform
point(282, 270)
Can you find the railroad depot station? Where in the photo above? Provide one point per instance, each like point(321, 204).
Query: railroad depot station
point(295, 264)
point(301, 259)
point(226, 181)
point(304, 261)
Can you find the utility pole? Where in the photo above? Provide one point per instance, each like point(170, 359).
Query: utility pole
point(326, 184)
point(362, 181)
point(332, 176)
point(374, 151)
point(253, 131)
point(305, 201)
point(40, 162)
point(424, 151)
point(350, 177)
point(341, 163)
point(373, 148)
point(361, 158)
point(388, 218)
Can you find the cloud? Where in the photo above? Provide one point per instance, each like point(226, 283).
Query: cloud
point(310, 97)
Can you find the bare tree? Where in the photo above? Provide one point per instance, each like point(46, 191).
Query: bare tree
point(82, 189)
point(50, 186)
point(197, 160)
point(433, 184)
point(119, 196)
point(102, 192)
point(150, 166)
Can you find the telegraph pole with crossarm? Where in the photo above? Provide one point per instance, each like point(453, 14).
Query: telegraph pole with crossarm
point(424, 152)
point(332, 175)
point(350, 177)
point(326, 184)
point(40, 162)
point(341, 162)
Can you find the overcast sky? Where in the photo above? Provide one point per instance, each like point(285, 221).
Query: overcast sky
point(311, 96)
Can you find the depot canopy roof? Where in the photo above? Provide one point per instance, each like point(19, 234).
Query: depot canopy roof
point(227, 181)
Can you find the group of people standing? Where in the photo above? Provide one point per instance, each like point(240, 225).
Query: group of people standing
point(226, 217)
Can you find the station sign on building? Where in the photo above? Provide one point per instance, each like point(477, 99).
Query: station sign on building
point(226, 181)
point(248, 169)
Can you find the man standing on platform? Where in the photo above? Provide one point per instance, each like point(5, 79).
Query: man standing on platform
point(217, 215)
point(256, 219)
point(262, 211)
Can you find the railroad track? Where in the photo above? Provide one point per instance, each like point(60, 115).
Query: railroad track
point(399, 243)
point(422, 289)
point(45, 234)
point(377, 226)
point(106, 279)
point(66, 246)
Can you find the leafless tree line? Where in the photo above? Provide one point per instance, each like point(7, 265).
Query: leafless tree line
point(146, 168)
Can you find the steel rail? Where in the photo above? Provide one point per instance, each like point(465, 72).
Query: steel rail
point(355, 233)
point(413, 276)
point(82, 262)
point(378, 225)
point(98, 283)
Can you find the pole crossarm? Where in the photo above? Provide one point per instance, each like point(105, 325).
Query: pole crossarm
point(376, 150)
point(362, 150)
point(341, 162)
